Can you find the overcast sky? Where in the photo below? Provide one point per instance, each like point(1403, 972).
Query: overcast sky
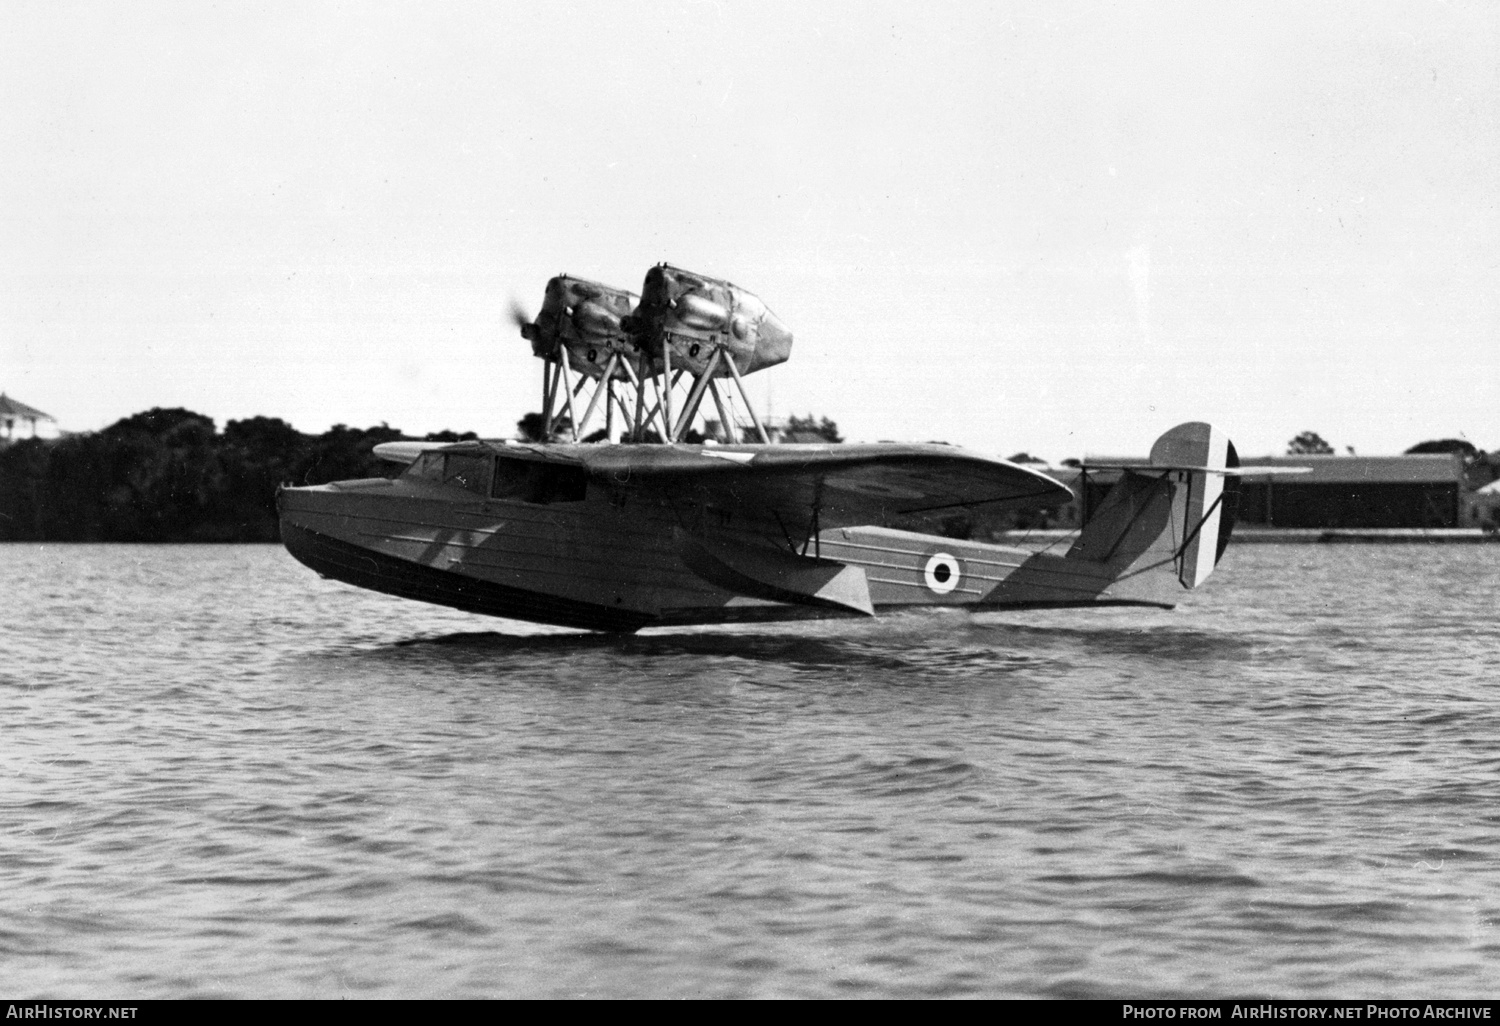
point(1058, 227)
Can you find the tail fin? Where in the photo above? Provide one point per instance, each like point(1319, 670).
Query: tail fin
point(1176, 511)
point(1195, 451)
point(1169, 518)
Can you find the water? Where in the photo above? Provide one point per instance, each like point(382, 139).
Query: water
point(225, 776)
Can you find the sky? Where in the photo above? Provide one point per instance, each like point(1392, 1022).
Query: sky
point(1057, 227)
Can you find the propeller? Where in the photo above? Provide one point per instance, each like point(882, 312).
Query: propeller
point(520, 316)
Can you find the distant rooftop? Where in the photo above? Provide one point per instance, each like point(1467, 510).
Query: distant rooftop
point(1426, 468)
point(12, 411)
point(1415, 469)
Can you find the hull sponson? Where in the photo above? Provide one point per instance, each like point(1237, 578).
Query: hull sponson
point(366, 568)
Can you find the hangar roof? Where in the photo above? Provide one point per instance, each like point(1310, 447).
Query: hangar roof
point(1437, 468)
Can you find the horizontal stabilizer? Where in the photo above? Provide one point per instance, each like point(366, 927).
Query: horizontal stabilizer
point(1266, 471)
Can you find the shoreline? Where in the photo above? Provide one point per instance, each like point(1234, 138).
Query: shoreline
point(1363, 536)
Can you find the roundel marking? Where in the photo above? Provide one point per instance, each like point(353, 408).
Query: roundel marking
point(942, 573)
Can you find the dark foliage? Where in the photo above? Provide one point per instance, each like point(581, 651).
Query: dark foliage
point(159, 423)
point(1308, 443)
point(169, 476)
point(530, 428)
point(1441, 445)
point(810, 429)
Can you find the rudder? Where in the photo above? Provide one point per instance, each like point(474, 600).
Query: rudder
point(1198, 454)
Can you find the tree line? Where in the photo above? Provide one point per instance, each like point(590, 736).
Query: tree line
point(168, 475)
point(1310, 443)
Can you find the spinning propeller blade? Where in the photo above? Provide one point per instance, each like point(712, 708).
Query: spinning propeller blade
point(519, 315)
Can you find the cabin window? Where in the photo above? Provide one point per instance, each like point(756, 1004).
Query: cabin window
point(517, 480)
point(532, 481)
point(468, 470)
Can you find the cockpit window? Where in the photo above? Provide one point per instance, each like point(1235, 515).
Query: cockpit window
point(462, 469)
point(429, 465)
point(513, 479)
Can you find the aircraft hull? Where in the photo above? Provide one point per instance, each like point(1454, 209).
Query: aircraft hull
point(600, 564)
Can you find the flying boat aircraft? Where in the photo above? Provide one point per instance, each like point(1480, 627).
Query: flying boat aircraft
point(654, 530)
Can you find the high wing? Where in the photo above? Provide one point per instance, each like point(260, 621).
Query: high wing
point(810, 487)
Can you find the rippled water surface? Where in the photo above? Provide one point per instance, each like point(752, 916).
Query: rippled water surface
point(223, 775)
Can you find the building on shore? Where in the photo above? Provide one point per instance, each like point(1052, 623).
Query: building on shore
point(16, 416)
point(1415, 491)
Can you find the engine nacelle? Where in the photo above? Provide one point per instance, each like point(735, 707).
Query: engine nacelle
point(695, 315)
point(582, 319)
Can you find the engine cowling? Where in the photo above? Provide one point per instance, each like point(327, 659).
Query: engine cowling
point(582, 319)
point(695, 315)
